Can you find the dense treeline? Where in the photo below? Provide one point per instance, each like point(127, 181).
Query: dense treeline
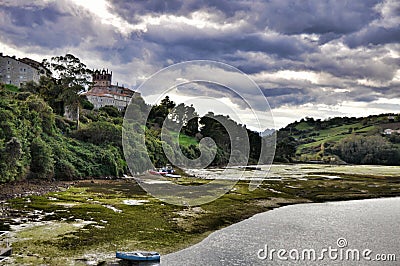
point(367, 150)
point(34, 142)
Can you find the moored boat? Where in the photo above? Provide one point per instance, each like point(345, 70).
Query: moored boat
point(138, 255)
point(165, 171)
point(157, 172)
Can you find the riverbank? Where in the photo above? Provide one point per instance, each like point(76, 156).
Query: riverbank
point(28, 187)
point(80, 225)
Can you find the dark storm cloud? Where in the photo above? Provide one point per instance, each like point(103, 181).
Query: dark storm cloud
point(330, 17)
point(319, 17)
point(197, 41)
point(374, 36)
point(54, 25)
point(132, 10)
point(36, 16)
point(272, 92)
point(288, 96)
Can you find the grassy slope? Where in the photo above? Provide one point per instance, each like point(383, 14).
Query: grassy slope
point(335, 134)
point(11, 88)
point(185, 140)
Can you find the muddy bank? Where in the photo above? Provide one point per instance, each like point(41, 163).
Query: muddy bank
point(30, 187)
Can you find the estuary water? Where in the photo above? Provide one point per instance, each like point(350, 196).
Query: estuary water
point(332, 233)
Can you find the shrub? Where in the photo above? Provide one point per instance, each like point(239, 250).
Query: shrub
point(99, 133)
point(42, 163)
point(110, 110)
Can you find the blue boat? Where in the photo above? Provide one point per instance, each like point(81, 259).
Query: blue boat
point(138, 255)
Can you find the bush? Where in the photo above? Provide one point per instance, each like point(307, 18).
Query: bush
point(64, 170)
point(10, 156)
point(99, 133)
point(110, 110)
point(41, 110)
point(42, 163)
point(86, 104)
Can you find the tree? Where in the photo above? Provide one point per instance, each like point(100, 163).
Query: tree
point(73, 76)
point(192, 121)
point(367, 150)
point(285, 149)
point(69, 70)
point(159, 113)
point(49, 90)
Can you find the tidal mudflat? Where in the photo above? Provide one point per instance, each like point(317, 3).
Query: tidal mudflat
point(84, 223)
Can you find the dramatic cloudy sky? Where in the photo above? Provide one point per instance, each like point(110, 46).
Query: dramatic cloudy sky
point(319, 58)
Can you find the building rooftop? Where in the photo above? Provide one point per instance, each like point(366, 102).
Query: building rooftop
point(109, 91)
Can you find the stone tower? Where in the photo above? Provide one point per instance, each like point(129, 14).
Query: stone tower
point(101, 78)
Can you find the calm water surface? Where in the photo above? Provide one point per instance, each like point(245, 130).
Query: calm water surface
point(364, 224)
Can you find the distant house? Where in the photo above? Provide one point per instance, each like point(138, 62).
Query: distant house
point(103, 93)
point(19, 71)
point(389, 131)
point(391, 119)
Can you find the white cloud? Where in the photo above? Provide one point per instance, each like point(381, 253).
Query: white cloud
point(101, 8)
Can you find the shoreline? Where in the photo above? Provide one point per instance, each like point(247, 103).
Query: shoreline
point(28, 187)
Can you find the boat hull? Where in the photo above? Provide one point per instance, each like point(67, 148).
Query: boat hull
point(138, 256)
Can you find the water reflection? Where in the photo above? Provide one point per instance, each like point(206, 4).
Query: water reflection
point(366, 224)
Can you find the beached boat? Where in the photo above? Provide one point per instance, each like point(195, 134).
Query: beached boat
point(157, 172)
point(138, 255)
point(165, 171)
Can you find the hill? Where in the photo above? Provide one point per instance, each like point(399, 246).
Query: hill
point(310, 140)
point(38, 142)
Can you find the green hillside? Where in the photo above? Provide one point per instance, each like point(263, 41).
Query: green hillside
point(333, 139)
point(185, 140)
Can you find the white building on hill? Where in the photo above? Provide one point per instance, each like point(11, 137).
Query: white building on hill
point(19, 71)
point(103, 93)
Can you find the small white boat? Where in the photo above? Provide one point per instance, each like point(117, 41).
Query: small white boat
point(172, 175)
point(167, 171)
